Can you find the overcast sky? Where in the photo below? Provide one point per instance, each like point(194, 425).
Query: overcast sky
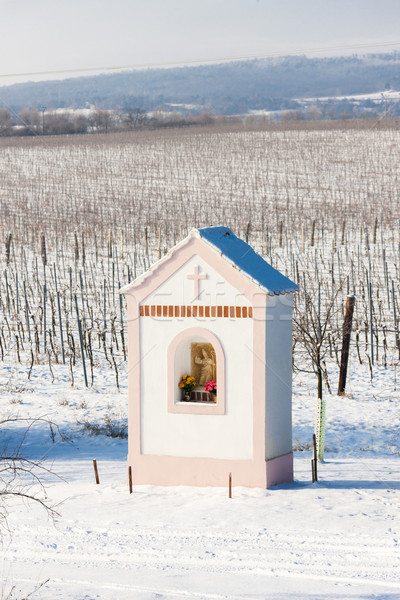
point(55, 35)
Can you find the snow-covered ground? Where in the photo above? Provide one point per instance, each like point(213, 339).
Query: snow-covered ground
point(338, 538)
point(377, 96)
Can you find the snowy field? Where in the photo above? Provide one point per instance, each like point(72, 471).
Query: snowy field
point(338, 538)
point(81, 217)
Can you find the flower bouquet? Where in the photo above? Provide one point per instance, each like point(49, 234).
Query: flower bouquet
point(211, 388)
point(187, 383)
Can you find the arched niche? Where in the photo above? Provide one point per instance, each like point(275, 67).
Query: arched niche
point(179, 356)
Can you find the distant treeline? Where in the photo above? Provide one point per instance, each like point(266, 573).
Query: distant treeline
point(58, 122)
point(232, 88)
point(32, 122)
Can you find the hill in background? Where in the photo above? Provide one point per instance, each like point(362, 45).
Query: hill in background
point(273, 84)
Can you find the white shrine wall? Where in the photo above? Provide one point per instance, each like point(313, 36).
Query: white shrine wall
point(220, 436)
point(178, 290)
point(278, 380)
point(227, 436)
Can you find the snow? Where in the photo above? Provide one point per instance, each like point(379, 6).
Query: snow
point(338, 538)
point(242, 256)
point(335, 539)
point(238, 253)
point(376, 96)
point(329, 538)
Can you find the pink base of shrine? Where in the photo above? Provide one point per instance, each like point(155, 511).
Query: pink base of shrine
point(280, 470)
point(203, 472)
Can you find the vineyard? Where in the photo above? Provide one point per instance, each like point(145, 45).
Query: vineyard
point(83, 216)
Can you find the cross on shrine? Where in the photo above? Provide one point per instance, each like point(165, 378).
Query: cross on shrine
point(196, 277)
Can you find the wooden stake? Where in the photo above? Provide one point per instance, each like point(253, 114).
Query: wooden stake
point(343, 232)
point(230, 485)
point(159, 242)
point(61, 329)
point(43, 250)
point(280, 234)
point(312, 233)
point(81, 341)
point(8, 248)
point(248, 232)
point(44, 316)
point(105, 309)
point(130, 479)
point(17, 291)
point(314, 461)
point(346, 344)
point(8, 293)
point(27, 312)
point(96, 472)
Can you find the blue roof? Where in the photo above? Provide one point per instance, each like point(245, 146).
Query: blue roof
point(248, 261)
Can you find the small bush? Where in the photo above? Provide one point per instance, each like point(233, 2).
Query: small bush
point(113, 426)
point(82, 405)
point(15, 388)
point(299, 446)
point(16, 400)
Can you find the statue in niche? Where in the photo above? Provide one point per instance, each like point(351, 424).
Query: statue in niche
point(204, 364)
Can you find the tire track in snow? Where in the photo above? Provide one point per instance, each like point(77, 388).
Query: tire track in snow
point(156, 590)
point(248, 551)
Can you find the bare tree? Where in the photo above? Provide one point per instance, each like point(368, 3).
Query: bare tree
point(21, 477)
point(81, 123)
point(30, 119)
point(134, 118)
point(315, 327)
point(101, 120)
point(5, 121)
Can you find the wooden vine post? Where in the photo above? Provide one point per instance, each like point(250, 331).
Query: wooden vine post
point(61, 329)
point(314, 460)
point(81, 341)
point(96, 472)
point(348, 320)
point(130, 479)
point(44, 316)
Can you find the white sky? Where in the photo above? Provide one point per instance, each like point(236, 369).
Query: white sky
point(55, 35)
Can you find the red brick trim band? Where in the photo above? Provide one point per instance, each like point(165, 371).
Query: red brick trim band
point(231, 312)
